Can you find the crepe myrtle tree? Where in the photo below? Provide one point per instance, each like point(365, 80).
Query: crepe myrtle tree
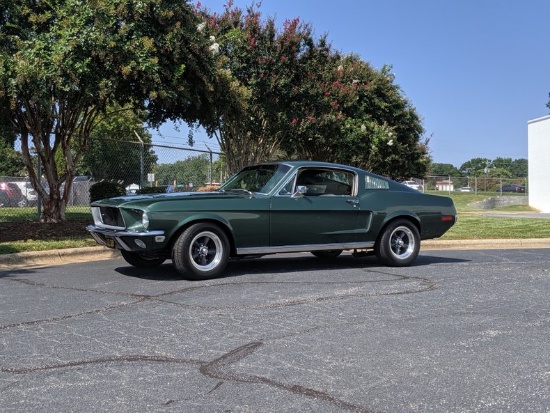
point(257, 72)
point(288, 94)
point(358, 116)
point(63, 63)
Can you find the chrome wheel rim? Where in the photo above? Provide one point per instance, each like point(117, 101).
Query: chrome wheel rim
point(402, 242)
point(206, 251)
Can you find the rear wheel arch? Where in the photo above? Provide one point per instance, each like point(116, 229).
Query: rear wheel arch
point(412, 218)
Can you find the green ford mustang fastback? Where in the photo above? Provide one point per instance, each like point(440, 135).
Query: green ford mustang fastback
point(275, 207)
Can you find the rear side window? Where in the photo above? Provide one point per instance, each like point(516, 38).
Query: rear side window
point(373, 182)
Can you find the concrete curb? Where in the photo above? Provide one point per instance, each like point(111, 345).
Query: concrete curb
point(485, 244)
point(72, 255)
point(56, 257)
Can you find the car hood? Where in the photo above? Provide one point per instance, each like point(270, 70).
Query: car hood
point(140, 201)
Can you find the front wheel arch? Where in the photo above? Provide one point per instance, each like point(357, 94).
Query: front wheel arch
point(398, 243)
point(221, 224)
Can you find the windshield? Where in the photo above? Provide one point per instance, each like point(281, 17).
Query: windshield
point(258, 178)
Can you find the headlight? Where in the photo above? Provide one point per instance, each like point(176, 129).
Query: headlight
point(145, 220)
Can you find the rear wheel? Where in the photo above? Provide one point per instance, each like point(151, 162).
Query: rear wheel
point(328, 254)
point(201, 252)
point(399, 243)
point(141, 259)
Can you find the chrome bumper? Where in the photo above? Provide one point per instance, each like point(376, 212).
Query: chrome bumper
point(112, 238)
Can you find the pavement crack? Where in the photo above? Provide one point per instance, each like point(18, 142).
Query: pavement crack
point(101, 360)
point(220, 369)
point(68, 316)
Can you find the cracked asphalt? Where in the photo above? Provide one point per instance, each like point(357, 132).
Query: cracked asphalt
point(460, 331)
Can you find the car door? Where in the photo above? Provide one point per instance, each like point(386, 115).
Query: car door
point(326, 213)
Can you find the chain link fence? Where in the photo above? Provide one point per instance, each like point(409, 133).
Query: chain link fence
point(476, 184)
point(135, 164)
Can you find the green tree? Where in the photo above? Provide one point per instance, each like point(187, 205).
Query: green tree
point(475, 166)
point(515, 168)
point(194, 170)
point(444, 169)
point(358, 116)
point(519, 168)
point(257, 69)
point(114, 141)
point(293, 95)
point(11, 162)
point(498, 167)
point(8, 135)
point(63, 63)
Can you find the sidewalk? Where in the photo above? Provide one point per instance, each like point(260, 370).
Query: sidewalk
point(72, 255)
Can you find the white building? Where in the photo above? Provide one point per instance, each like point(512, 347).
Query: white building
point(538, 138)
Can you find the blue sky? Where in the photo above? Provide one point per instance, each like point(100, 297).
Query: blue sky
point(476, 71)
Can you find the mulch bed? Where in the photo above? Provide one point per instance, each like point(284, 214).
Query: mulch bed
point(25, 230)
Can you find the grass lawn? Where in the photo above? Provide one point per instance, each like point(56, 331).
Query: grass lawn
point(472, 224)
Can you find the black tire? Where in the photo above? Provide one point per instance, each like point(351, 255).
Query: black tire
point(327, 255)
point(141, 259)
point(398, 244)
point(201, 252)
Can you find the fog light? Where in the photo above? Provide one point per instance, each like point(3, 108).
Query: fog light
point(140, 243)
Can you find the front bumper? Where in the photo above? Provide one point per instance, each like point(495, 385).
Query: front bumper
point(127, 240)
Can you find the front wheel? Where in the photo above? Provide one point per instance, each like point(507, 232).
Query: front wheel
point(201, 252)
point(398, 245)
point(141, 259)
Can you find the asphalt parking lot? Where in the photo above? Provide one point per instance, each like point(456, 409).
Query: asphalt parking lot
point(460, 331)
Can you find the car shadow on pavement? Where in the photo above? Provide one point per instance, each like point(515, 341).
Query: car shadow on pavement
point(278, 264)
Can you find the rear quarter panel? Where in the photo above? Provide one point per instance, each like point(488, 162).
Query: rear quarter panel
point(426, 210)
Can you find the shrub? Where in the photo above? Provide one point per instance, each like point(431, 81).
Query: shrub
point(152, 190)
point(106, 189)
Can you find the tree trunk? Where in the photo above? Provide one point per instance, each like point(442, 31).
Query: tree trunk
point(52, 210)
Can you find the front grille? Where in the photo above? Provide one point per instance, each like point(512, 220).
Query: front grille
point(111, 217)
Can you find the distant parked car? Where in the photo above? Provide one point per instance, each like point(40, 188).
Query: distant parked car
point(512, 188)
point(413, 185)
point(11, 195)
point(466, 189)
point(80, 191)
point(29, 193)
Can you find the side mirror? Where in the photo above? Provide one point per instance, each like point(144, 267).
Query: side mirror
point(300, 191)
